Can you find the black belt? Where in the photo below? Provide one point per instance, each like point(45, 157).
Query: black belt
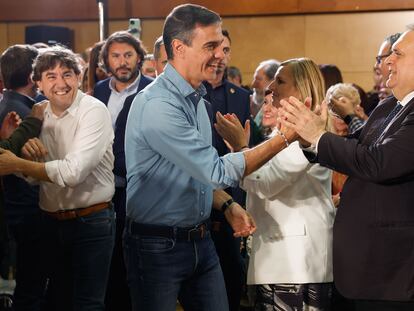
point(197, 232)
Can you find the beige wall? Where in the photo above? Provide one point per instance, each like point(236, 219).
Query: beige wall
point(348, 40)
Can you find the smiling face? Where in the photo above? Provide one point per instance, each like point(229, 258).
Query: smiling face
point(60, 86)
point(225, 46)
point(123, 62)
point(400, 64)
point(283, 85)
point(199, 61)
point(161, 61)
point(269, 119)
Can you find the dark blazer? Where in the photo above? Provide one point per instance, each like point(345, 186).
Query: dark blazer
point(237, 101)
point(374, 226)
point(103, 92)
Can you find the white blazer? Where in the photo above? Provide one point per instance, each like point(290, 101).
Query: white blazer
point(290, 199)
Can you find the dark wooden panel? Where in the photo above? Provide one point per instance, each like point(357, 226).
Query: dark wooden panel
point(322, 6)
point(225, 8)
point(57, 10)
point(73, 10)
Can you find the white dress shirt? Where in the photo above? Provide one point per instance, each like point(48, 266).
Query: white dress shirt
point(117, 99)
point(290, 199)
point(80, 158)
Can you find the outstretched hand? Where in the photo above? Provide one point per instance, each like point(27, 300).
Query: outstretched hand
point(240, 220)
point(297, 116)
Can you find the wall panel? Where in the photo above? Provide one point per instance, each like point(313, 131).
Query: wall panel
point(69, 10)
point(4, 39)
point(349, 40)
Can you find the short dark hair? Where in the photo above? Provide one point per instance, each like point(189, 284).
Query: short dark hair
point(16, 65)
point(233, 72)
point(226, 34)
point(157, 47)
point(123, 37)
point(331, 75)
point(51, 57)
point(182, 21)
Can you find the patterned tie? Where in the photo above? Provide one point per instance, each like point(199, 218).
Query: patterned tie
point(387, 121)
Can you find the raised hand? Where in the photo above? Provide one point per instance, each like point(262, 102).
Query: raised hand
point(231, 130)
point(38, 110)
point(296, 116)
point(10, 123)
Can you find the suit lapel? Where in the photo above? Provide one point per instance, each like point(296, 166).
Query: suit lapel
point(395, 124)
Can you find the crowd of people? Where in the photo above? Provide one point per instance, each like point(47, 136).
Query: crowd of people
point(137, 180)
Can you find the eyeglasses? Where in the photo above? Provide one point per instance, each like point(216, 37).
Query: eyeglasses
point(380, 57)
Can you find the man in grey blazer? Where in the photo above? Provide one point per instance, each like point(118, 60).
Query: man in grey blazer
point(374, 226)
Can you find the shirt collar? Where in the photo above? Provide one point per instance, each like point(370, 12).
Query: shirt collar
point(72, 108)
point(130, 88)
point(407, 99)
point(183, 86)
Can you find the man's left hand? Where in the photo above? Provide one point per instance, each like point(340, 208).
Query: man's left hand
point(241, 221)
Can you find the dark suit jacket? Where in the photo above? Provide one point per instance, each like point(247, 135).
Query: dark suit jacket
point(237, 101)
point(103, 92)
point(374, 226)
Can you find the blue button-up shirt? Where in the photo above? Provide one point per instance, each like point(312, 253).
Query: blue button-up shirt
point(172, 168)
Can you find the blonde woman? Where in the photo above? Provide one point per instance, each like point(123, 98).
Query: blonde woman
point(290, 199)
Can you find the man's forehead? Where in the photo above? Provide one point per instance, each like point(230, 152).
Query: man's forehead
point(211, 32)
point(124, 46)
point(58, 67)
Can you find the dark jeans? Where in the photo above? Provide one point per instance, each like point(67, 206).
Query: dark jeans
point(228, 251)
point(160, 270)
point(31, 263)
point(81, 250)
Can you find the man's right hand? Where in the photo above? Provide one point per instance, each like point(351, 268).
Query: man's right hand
point(38, 110)
point(34, 150)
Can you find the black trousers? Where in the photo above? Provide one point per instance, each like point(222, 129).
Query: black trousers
point(117, 292)
point(228, 251)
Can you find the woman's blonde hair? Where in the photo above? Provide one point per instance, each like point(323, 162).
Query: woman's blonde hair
point(308, 79)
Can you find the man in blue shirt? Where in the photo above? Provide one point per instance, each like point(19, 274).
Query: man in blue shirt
point(172, 170)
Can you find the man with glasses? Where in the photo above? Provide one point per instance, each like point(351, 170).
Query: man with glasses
point(383, 53)
point(345, 109)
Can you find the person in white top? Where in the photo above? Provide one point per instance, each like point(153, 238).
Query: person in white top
point(290, 199)
point(76, 181)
